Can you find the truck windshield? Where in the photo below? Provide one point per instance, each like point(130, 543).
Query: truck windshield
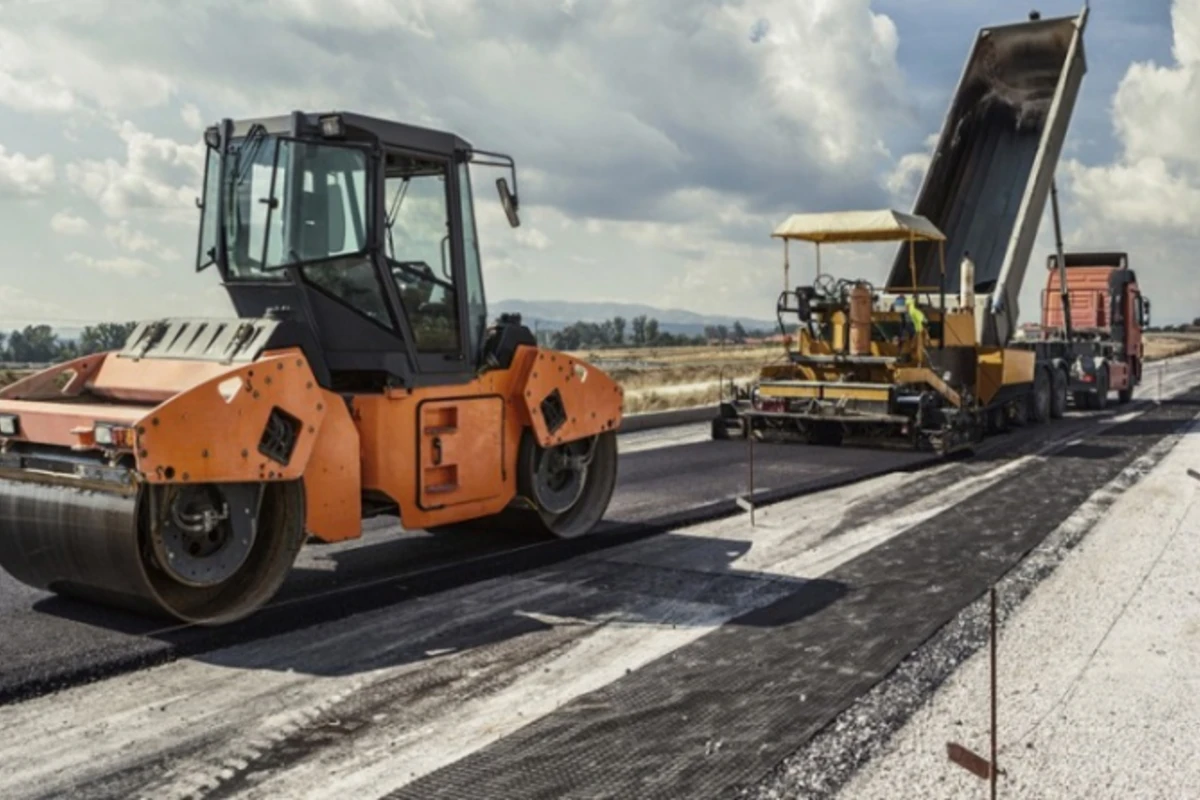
point(290, 202)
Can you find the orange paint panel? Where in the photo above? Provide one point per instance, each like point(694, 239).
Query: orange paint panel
point(211, 432)
point(389, 434)
point(44, 383)
point(55, 423)
point(153, 379)
point(332, 479)
point(462, 451)
point(591, 400)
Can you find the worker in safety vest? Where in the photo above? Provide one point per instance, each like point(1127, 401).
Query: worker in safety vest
point(913, 320)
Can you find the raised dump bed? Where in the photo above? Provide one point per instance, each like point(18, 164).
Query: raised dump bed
point(988, 182)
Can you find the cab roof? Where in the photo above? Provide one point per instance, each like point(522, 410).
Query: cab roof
point(359, 127)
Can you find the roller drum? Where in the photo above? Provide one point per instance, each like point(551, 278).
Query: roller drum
point(98, 546)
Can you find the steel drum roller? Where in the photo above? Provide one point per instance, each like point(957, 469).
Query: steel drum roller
point(111, 548)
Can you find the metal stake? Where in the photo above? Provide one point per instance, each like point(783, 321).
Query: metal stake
point(1160, 372)
point(750, 437)
point(995, 768)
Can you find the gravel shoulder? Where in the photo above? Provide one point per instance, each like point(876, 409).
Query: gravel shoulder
point(1096, 668)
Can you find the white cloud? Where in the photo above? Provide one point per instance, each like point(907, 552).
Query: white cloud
point(69, 224)
point(119, 265)
point(125, 237)
point(18, 305)
point(532, 238)
point(191, 117)
point(158, 173)
point(23, 175)
point(1147, 201)
point(43, 68)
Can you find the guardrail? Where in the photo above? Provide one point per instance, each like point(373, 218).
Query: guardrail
point(652, 420)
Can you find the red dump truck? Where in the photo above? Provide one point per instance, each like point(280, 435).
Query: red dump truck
point(1092, 333)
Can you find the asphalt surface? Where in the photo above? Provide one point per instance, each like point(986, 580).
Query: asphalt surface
point(675, 665)
point(717, 714)
point(47, 642)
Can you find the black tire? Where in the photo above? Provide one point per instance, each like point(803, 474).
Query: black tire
point(1126, 395)
point(1020, 410)
point(1100, 398)
point(588, 508)
point(1058, 393)
point(1041, 396)
point(720, 431)
point(280, 536)
point(996, 420)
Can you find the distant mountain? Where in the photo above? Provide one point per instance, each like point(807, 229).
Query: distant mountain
point(557, 314)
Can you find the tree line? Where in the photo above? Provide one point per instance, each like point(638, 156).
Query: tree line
point(39, 344)
point(643, 331)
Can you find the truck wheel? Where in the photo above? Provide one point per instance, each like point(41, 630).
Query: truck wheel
point(1100, 399)
point(1040, 397)
point(1020, 410)
point(1125, 395)
point(1058, 393)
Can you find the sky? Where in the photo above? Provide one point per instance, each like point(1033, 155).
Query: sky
point(658, 141)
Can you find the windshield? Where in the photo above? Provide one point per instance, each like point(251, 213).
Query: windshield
point(287, 201)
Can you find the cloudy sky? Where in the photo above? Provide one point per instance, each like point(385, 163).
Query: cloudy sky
point(659, 141)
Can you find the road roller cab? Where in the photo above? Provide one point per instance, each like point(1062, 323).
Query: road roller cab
point(182, 473)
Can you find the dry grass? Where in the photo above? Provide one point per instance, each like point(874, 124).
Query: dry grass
point(1166, 345)
point(648, 374)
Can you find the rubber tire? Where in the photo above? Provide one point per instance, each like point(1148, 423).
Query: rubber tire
point(1125, 395)
point(279, 540)
point(589, 509)
point(1058, 393)
point(1020, 417)
point(1040, 397)
point(1100, 398)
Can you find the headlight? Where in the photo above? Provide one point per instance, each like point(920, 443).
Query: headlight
point(8, 425)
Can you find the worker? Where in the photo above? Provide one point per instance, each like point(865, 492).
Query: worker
point(912, 322)
point(915, 314)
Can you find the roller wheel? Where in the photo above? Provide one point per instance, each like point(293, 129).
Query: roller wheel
point(570, 484)
point(1058, 393)
point(1041, 396)
point(204, 554)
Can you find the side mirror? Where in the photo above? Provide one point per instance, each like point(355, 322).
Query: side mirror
point(509, 201)
point(1145, 313)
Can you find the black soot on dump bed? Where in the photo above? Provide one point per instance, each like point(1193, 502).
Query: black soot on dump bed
point(987, 150)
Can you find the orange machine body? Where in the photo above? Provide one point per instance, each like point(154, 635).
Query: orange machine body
point(442, 454)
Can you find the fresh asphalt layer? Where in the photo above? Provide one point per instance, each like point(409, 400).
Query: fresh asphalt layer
point(47, 642)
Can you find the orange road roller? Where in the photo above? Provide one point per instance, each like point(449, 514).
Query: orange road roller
point(181, 474)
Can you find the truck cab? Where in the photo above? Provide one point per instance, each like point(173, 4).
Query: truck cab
point(1105, 304)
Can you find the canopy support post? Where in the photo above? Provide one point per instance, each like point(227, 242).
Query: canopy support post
point(786, 265)
point(818, 259)
point(942, 299)
point(912, 261)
